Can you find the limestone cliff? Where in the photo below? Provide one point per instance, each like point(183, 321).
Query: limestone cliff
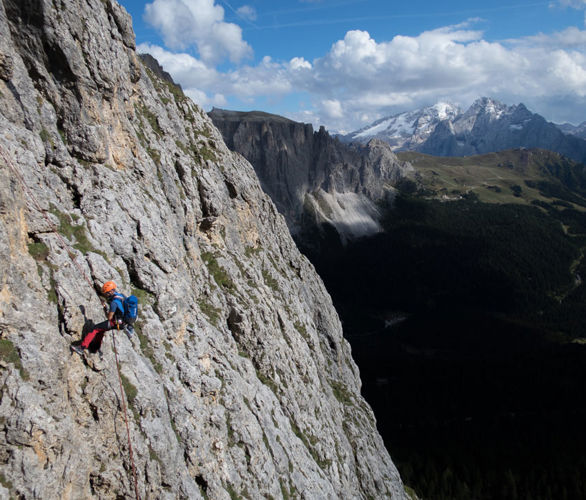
point(313, 175)
point(240, 383)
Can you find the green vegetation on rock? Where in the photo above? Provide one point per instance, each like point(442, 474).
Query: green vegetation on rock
point(9, 354)
point(220, 275)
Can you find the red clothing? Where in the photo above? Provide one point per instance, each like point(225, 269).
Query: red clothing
point(97, 334)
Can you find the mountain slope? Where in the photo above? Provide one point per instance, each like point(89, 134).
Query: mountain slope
point(575, 130)
point(312, 177)
point(487, 126)
point(514, 176)
point(240, 382)
point(405, 131)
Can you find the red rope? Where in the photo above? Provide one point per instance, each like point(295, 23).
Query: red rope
point(80, 269)
point(123, 398)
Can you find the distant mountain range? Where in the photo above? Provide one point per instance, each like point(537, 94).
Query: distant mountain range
point(487, 126)
point(576, 130)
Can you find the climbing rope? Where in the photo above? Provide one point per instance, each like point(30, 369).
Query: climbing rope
point(72, 256)
point(125, 412)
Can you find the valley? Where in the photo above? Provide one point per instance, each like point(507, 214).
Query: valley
point(464, 310)
point(478, 386)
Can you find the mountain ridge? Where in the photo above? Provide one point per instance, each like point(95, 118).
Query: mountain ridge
point(486, 126)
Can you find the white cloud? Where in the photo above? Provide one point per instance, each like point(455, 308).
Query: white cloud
point(567, 39)
point(184, 68)
point(183, 23)
point(360, 79)
point(247, 12)
point(204, 100)
point(268, 78)
point(298, 63)
point(371, 78)
point(332, 108)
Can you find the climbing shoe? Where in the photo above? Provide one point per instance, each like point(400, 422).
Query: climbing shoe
point(129, 330)
point(78, 349)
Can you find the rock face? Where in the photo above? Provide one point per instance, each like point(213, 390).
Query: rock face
point(310, 174)
point(239, 382)
point(487, 126)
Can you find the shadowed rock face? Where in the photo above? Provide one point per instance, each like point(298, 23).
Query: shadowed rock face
point(240, 381)
point(309, 173)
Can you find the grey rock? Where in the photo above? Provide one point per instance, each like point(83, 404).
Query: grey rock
point(240, 381)
point(151, 63)
point(5, 66)
point(312, 177)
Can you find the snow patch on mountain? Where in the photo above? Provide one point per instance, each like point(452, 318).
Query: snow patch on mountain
point(408, 129)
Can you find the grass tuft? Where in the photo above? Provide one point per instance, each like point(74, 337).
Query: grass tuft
point(9, 354)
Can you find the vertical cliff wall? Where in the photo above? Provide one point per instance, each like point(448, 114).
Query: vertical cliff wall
point(311, 176)
point(239, 382)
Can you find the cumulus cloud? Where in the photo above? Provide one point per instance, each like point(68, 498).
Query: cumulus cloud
point(332, 108)
point(373, 78)
point(183, 23)
point(298, 63)
point(360, 79)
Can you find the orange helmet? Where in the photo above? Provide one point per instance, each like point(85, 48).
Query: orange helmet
point(108, 286)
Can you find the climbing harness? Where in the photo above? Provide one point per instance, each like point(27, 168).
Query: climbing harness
point(72, 256)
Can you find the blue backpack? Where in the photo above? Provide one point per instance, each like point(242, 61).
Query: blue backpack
point(130, 307)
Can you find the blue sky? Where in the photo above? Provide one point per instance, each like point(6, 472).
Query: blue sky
point(345, 63)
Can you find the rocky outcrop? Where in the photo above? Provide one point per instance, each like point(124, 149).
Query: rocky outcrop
point(239, 382)
point(309, 173)
point(151, 63)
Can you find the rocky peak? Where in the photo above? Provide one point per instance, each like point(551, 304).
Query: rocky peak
point(570, 129)
point(151, 63)
point(239, 381)
point(408, 129)
point(489, 107)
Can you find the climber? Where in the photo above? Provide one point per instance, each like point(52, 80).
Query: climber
point(118, 316)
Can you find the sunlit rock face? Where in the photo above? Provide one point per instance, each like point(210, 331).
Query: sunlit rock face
point(239, 381)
